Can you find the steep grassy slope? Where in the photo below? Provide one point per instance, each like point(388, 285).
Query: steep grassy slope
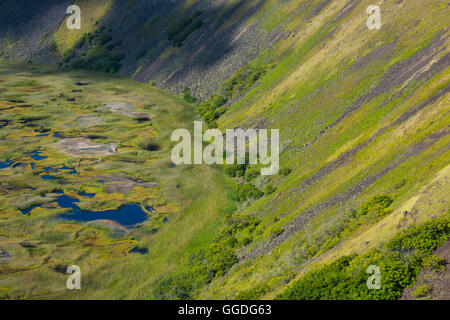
point(362, 113)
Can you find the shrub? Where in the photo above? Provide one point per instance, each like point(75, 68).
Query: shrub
point(376, 207)
point(102, 39)
point(434, 263)
point(99, 56)
point(251, 174)
point(253, 293)
point(242, 81)
point(53, 47)
point(68, 55)
point(247, 191)
point(245, 241)
point(422, 291)
point(212, 108)
point(400, 261)
point(269, 189)
point(235, 170)
point(188, 97)
point(285, 171)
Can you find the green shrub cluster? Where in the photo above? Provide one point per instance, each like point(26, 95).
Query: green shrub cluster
point(252, 173)
point(212, 108)
point(188, 97)
point(400, 261)
point(284, 171)
point(253, 293)
point(181, 29)
point(242, 81)
point(422, 291)
point(376, 207)
point(269, 189)
point(94, 53)
point(434, 263)
point(247, 191)
point(235, 170)
point(205, 265)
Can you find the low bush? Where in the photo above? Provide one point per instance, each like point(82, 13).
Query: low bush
point(247, 191)
point(434, 263)
point(269, 189)
point(422, 291)
point(284, 172)
point(399, 260)
point(252, 294)
point(213, 107)
point(251, 174)
point(376, 207)
point(188, 97)
point(235, 170)
point(95, 56)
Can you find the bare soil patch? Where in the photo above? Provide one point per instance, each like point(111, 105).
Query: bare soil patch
point(4, 255)
point(127, 110)
point(83, 146)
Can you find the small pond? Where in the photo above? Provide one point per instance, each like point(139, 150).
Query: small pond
point(128, 215)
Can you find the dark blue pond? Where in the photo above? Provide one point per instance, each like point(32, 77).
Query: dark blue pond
point(28, 210)
point(71, 170)
point(5, 164)
point(128, 215)
point(90, 195)
point(47, 177)
point(139, 250)
point(37, 156)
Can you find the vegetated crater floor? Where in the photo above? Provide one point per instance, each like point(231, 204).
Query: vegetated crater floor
point(80, 183)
